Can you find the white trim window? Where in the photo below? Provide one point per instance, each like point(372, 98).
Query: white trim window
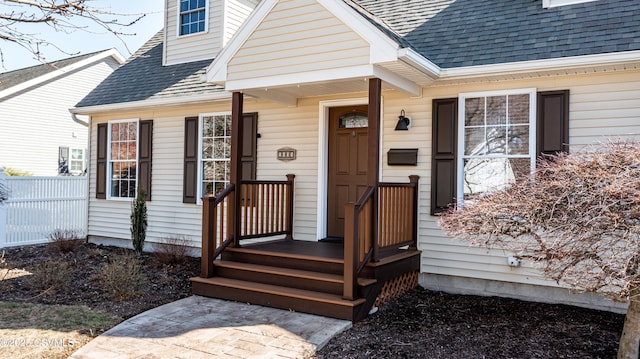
point(496, 140)
point(76, 160)
point(214, 153)
point(122, 159)
point(192, 17)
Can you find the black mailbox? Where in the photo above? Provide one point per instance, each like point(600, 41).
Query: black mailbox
point(402, 157)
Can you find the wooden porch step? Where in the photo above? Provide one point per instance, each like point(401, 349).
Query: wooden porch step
point(285, 260)
point(289, 277)
point(270, 295)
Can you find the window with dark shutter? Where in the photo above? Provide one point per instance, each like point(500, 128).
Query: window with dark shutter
point(101, 162)
point(191, 152)
point(145, 141)
point(483, 117)
point(444, 142)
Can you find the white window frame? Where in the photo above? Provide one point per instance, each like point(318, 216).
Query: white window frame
point(84, 159)
point(556, 3)
point(179, 21)
point(532, 92)
point(109, 161)
point(200, 159)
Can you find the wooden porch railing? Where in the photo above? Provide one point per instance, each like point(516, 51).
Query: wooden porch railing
point(358, 240)
point(396, 222)
point(266, 209)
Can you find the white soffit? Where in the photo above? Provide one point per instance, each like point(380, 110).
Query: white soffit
point(383, 51)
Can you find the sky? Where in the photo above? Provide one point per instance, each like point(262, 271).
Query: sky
point(93, 39)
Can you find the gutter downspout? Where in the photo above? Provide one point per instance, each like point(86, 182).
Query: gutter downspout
point(75, 118)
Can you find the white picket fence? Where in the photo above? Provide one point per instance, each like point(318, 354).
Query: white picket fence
point(38, 206)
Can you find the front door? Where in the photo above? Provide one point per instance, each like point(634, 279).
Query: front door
point(347, 176)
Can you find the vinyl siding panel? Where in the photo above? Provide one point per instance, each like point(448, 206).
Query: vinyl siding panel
point(35, 122)
point(193, 47)
point(298, 36)
point(236, 11)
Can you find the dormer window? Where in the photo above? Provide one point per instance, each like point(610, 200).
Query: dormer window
point(193, 17)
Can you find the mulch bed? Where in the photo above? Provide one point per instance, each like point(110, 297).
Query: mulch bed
point(426, 324)
point(163, 283)
point(420, 324)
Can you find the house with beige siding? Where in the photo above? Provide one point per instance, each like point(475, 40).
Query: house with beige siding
point(38, 134)
point(307, 147)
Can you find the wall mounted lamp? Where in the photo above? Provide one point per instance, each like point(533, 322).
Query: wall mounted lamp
point(403, 122)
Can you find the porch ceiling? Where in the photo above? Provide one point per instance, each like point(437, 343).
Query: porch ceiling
point(394, 75)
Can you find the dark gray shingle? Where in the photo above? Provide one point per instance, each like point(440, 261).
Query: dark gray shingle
point(143, 77)
point(454, 33)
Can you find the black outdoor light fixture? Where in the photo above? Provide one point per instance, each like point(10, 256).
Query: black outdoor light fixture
point(403, 122)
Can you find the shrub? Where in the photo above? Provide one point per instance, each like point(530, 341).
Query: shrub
point(16, 172)
point(51, 275)
point(65, 241)
point(172, 250)
point(139, 220)
point(122, 277)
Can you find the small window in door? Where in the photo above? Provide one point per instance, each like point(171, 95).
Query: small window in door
point(354, 120)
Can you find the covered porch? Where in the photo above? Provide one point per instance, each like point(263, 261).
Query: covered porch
point(249, 250)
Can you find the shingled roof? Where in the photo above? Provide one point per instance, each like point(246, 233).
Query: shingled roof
point(143, 77)
point(16, 77)
point(455, 33)
point(450, 33)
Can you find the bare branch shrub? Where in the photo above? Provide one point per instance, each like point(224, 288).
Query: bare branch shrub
point(579, 219)
point(51, 275)
point(65, 241)
point(122, 277)
point(172, 250)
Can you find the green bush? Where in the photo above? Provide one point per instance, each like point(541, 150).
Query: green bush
point(139, 220)
point(16, 172)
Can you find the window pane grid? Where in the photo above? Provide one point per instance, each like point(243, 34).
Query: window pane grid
point(123, 159)
point(192, 16)
point(215, 153)
point(496, 149)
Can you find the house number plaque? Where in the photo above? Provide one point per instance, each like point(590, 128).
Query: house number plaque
point(286, 154)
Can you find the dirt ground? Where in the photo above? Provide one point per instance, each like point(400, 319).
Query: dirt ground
point(426, 324)
point(162, 283)
point(420, 324)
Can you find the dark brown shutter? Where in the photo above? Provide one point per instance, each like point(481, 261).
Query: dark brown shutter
point(249, 146)
point(553, 122)
point(190, 177)
point(101, 162)
point(444, 141)
point(145, 143)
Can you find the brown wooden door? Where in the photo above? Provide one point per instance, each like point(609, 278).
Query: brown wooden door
point(347, 177)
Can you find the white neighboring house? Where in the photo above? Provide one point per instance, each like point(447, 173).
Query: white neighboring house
point(38, 134)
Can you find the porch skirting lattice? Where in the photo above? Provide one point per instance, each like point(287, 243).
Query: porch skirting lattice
point(396, 287)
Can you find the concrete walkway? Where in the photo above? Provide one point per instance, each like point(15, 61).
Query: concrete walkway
point(198, 327)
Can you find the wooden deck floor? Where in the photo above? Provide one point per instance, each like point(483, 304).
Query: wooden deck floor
point(329, 250)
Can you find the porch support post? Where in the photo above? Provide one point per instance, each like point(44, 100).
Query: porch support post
point(235, 175)
point(413, 179)
point(373, 172)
